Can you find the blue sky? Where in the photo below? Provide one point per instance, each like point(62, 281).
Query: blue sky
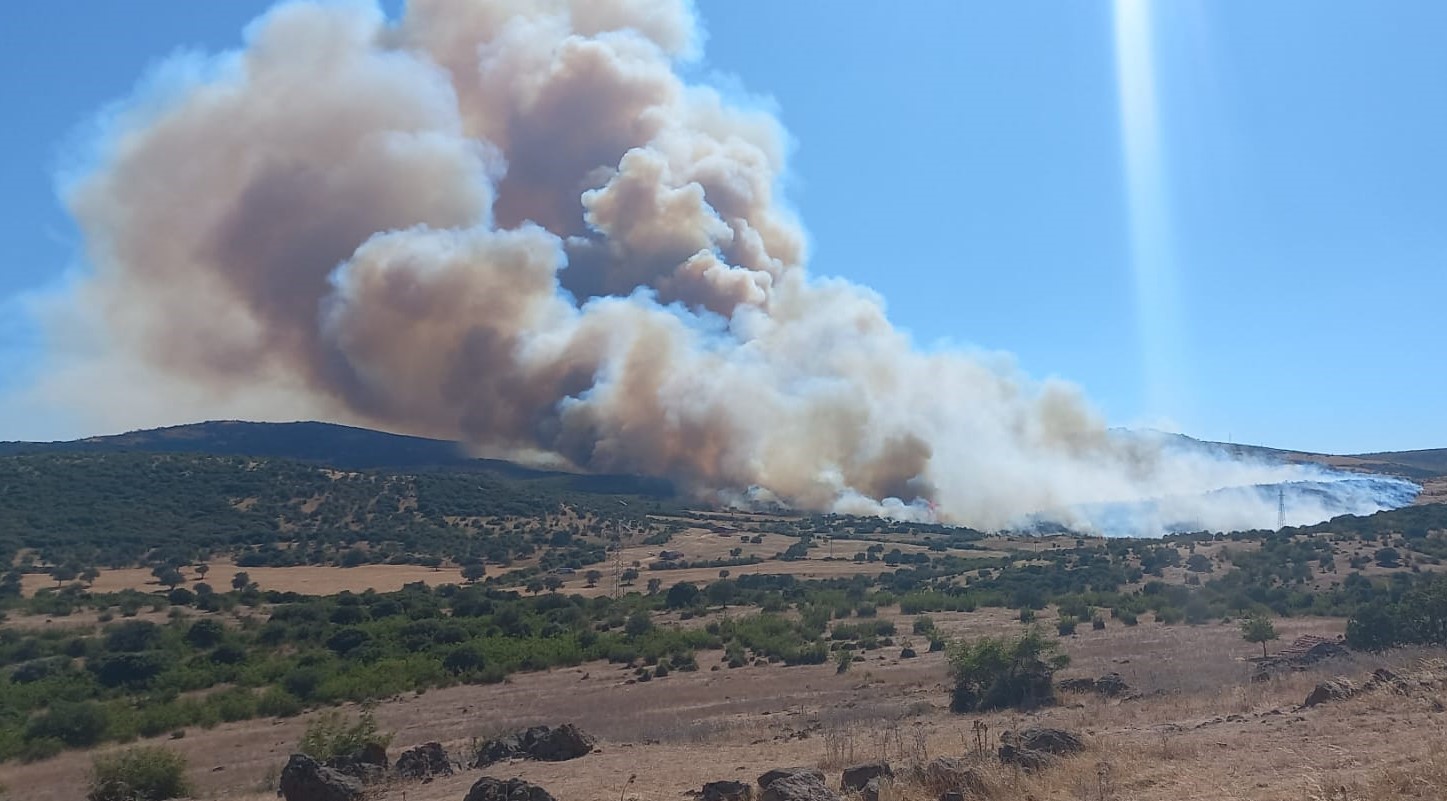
point(965, 160)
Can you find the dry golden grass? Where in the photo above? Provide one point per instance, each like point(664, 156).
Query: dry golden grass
point(310, 580)
point(1203, 731)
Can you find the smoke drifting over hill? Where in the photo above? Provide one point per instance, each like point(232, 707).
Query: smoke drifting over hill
point(515, 224)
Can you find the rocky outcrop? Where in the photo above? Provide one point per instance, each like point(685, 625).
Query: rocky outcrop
point(944, 775)
point(778, 773)
point(854, 778)
point(367, 764)
point(305, 779)
point(1337, 689)
point(490, 789)
point(1111, 685)
point(1305, 651)
point(1036, 747)
point(542, 743)
point(1056, 742)
point(1024, 758)
point(426, 761)
point(727, 790)
point(799, 787)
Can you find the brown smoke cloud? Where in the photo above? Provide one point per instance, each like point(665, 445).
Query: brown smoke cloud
point(513, 223)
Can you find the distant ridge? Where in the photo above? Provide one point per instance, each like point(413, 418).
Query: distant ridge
point(331, 444)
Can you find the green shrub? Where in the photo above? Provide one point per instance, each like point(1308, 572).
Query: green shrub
point(278, 703)
point(41, 748)
point(333, 733)
point(1003, 672)
point(146, 773)
point(75, 724)
point(924, 624)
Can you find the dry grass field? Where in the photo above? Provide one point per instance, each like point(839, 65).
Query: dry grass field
point(1199, 728)
point(310, 580)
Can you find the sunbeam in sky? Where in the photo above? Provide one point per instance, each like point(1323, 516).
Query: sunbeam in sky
point(1158, 307)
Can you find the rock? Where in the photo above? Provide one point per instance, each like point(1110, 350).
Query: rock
point(949, 775)
point(727, 790)
point(1025, 758)
point(1111, 685)
point(304, 779)
point(490, 789)
point(798, 787)
point(870, 791)
point(1385, 679)
point(856, 777)
point(1057, 742)
point(369, 763)
point(779, 773)
point(424, 761)
point(539, 742)
point(1337, 689)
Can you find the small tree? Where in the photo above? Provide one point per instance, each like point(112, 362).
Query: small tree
point(240, 581)
point(654, 585)
point(472, 571)
point(89, 575)
point(843, 660)
point(202, 569)
point(169, 576)
point(534, 586)
point(1258, 628)
point(629, 576)
point(63, 573)
point(592, 577)
point(553, 583)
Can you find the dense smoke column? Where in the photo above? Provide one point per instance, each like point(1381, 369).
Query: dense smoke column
point(514, 223)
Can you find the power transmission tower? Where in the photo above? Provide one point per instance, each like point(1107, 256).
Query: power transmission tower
point(1281, 507)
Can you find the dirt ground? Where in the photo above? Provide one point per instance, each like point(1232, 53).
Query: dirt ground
point(1199, 730)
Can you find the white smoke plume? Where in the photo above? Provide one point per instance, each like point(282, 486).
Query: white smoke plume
point(512, 223)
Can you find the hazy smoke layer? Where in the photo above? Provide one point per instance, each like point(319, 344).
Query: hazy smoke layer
point(514, 223)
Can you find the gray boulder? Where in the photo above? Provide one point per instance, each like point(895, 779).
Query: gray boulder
point(1337, 689)
point(779, 773)
point(1057, 742)
point(727, 791)
point(856, 777)
point(1025, 758)
point(799, 787)
point(490, 789)
point(543, 743)
point(949, 775)
point(424, 762)
point(305, 779)
point(1112, 685)
point(367, 764)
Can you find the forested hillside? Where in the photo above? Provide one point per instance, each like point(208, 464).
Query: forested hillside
point(113, 509)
